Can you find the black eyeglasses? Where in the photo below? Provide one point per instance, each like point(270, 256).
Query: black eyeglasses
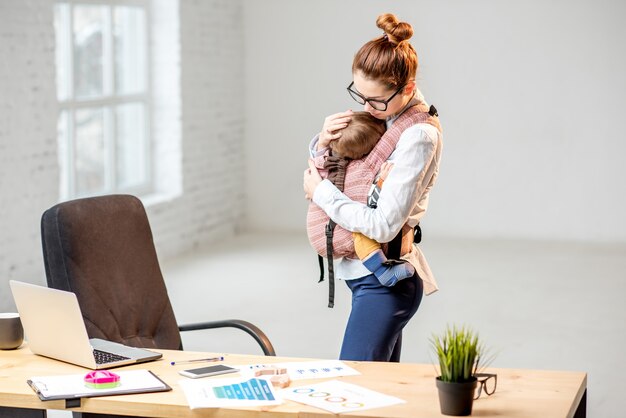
point(487, 382)
point(380, 105)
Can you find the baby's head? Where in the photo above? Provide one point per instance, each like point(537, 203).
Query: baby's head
point(359, 137)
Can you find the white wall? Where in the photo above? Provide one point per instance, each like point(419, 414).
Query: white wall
point(211, 122)
point(273, 69)
point(531, 96)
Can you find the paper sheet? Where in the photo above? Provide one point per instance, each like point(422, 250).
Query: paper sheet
point(215, 393)
point(339, 397)
point(318, 369)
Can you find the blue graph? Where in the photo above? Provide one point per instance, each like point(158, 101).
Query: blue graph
point(253, 389)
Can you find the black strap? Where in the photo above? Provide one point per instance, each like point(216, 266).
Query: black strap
point(417, 234)
point(330, 227)
point(432, 111)
point(395, 247)
point(320, 261)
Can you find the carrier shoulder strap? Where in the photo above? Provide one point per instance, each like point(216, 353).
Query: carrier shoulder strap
point(394, 247)
point(336, 167)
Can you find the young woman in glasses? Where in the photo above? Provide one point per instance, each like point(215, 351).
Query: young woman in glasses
point(383, 81)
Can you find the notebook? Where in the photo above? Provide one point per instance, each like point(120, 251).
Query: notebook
point(54, 328)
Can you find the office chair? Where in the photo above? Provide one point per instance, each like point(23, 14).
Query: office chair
point(101, 249)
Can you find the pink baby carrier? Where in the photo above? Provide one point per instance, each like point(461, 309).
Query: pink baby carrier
point(327, 239)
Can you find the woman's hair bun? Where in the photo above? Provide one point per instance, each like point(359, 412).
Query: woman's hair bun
point(395, 30)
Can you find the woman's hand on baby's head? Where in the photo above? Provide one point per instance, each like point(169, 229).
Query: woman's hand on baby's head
point(333, 125)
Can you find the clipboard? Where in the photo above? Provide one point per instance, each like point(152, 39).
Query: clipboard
point(73, 386)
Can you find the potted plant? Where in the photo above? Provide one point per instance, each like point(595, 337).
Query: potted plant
point(459, 354)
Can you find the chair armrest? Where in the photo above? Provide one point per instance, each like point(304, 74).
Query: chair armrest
point(246, 326)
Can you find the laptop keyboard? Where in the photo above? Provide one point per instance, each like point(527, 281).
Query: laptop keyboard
point(102, 357)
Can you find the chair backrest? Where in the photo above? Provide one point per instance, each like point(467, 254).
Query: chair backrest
point(101, 249)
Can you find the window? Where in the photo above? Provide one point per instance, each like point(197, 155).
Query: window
point(104, 97)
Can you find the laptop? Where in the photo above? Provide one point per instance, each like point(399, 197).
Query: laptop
point(54, 328)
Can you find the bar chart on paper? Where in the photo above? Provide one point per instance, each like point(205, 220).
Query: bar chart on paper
point(253, 389)
point(215, 393)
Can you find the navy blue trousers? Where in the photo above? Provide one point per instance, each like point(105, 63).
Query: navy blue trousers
point(379, 313)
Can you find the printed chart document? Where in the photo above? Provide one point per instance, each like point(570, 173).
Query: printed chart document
point(339, 397)
point(300, 370)
point(216, 393)
point(73, 385)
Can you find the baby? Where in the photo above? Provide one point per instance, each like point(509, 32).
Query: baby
point(355, 142)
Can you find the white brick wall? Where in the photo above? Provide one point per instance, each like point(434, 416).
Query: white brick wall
point(28, 118)
point(211, 88)
point(210, 121)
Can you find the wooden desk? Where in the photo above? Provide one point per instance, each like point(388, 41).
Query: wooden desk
point(520, 393)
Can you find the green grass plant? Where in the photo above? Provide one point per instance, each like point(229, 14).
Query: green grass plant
point(459, 353)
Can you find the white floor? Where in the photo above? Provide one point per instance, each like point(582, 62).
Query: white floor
point(537, 305)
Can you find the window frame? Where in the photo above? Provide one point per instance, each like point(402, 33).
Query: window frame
point(107, 101)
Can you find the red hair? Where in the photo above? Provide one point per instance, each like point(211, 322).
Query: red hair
point(390, 58)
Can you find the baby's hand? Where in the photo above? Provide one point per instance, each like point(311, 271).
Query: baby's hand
point(311, 179)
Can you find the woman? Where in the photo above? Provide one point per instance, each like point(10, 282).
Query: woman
point(384, 72)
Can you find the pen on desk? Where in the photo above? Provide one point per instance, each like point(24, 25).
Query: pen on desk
point(220, 358)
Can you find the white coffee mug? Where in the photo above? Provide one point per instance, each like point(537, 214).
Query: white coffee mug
point(11, 331)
